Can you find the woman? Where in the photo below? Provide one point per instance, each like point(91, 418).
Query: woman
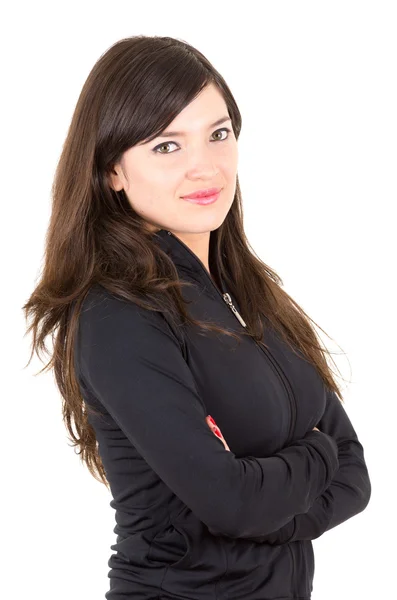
point(197, 386)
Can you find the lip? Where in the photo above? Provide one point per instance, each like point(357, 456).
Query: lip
point(202, 193)
point(203, 200)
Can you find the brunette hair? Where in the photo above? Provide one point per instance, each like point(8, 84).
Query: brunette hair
point(133, 92)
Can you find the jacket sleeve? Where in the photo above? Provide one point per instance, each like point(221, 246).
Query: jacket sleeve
point(132, 362)
point(349, 491)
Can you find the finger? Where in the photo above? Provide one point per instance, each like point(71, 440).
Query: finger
point(216, 431)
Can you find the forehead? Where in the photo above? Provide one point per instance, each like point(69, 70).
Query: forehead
point(206, 111)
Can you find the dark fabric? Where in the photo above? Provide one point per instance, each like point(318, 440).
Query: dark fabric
point(192, 519)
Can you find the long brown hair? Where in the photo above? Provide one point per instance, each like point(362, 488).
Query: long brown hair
point(133, 92)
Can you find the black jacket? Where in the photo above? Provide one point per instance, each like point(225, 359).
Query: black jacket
point(193, 520)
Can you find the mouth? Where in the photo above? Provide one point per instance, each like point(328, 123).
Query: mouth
point(203, 200)
point(203, 193)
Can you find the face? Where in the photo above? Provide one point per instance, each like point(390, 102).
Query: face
point(156, 175)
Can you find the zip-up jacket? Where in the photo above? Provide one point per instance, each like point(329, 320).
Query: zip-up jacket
point(194, 520)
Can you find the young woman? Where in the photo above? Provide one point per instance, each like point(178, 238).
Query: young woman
point(198, 389)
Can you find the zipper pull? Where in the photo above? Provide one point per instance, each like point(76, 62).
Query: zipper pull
point(229, 302)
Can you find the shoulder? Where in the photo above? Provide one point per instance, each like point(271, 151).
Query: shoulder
point(99, 302)
point(104, 313)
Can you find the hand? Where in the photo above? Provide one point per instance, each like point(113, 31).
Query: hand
point(215, 429)
point(316, 428)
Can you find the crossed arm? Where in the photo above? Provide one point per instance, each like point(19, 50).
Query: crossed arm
point(348, 493)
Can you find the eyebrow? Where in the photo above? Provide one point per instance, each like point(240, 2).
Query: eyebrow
point(181, 133)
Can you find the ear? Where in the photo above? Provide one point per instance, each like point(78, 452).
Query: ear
point(114, 178)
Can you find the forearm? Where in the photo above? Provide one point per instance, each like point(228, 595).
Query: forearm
point(347, 495)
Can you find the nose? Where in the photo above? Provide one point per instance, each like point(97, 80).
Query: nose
point(202, 162)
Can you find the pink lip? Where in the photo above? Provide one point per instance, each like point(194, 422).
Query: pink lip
point(203, 193)
point(203, 200)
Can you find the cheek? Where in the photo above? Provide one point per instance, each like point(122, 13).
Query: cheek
point(228, 161)
point(142, 199)
point(163, 179)
point(157, 201)
point(230, 177)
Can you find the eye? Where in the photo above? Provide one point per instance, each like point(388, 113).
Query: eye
point(165, 144)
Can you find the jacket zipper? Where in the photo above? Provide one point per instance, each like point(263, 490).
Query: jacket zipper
point(229, 302)
point(276, 366)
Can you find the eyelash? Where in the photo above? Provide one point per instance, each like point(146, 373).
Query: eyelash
point(165, 143)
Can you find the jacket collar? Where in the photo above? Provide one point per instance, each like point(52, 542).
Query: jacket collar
point(183, 257)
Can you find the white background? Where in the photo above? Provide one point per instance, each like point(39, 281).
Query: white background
point(316, 85)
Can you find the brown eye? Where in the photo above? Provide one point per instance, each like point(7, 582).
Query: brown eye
point(219, 131)
point(163, 145)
